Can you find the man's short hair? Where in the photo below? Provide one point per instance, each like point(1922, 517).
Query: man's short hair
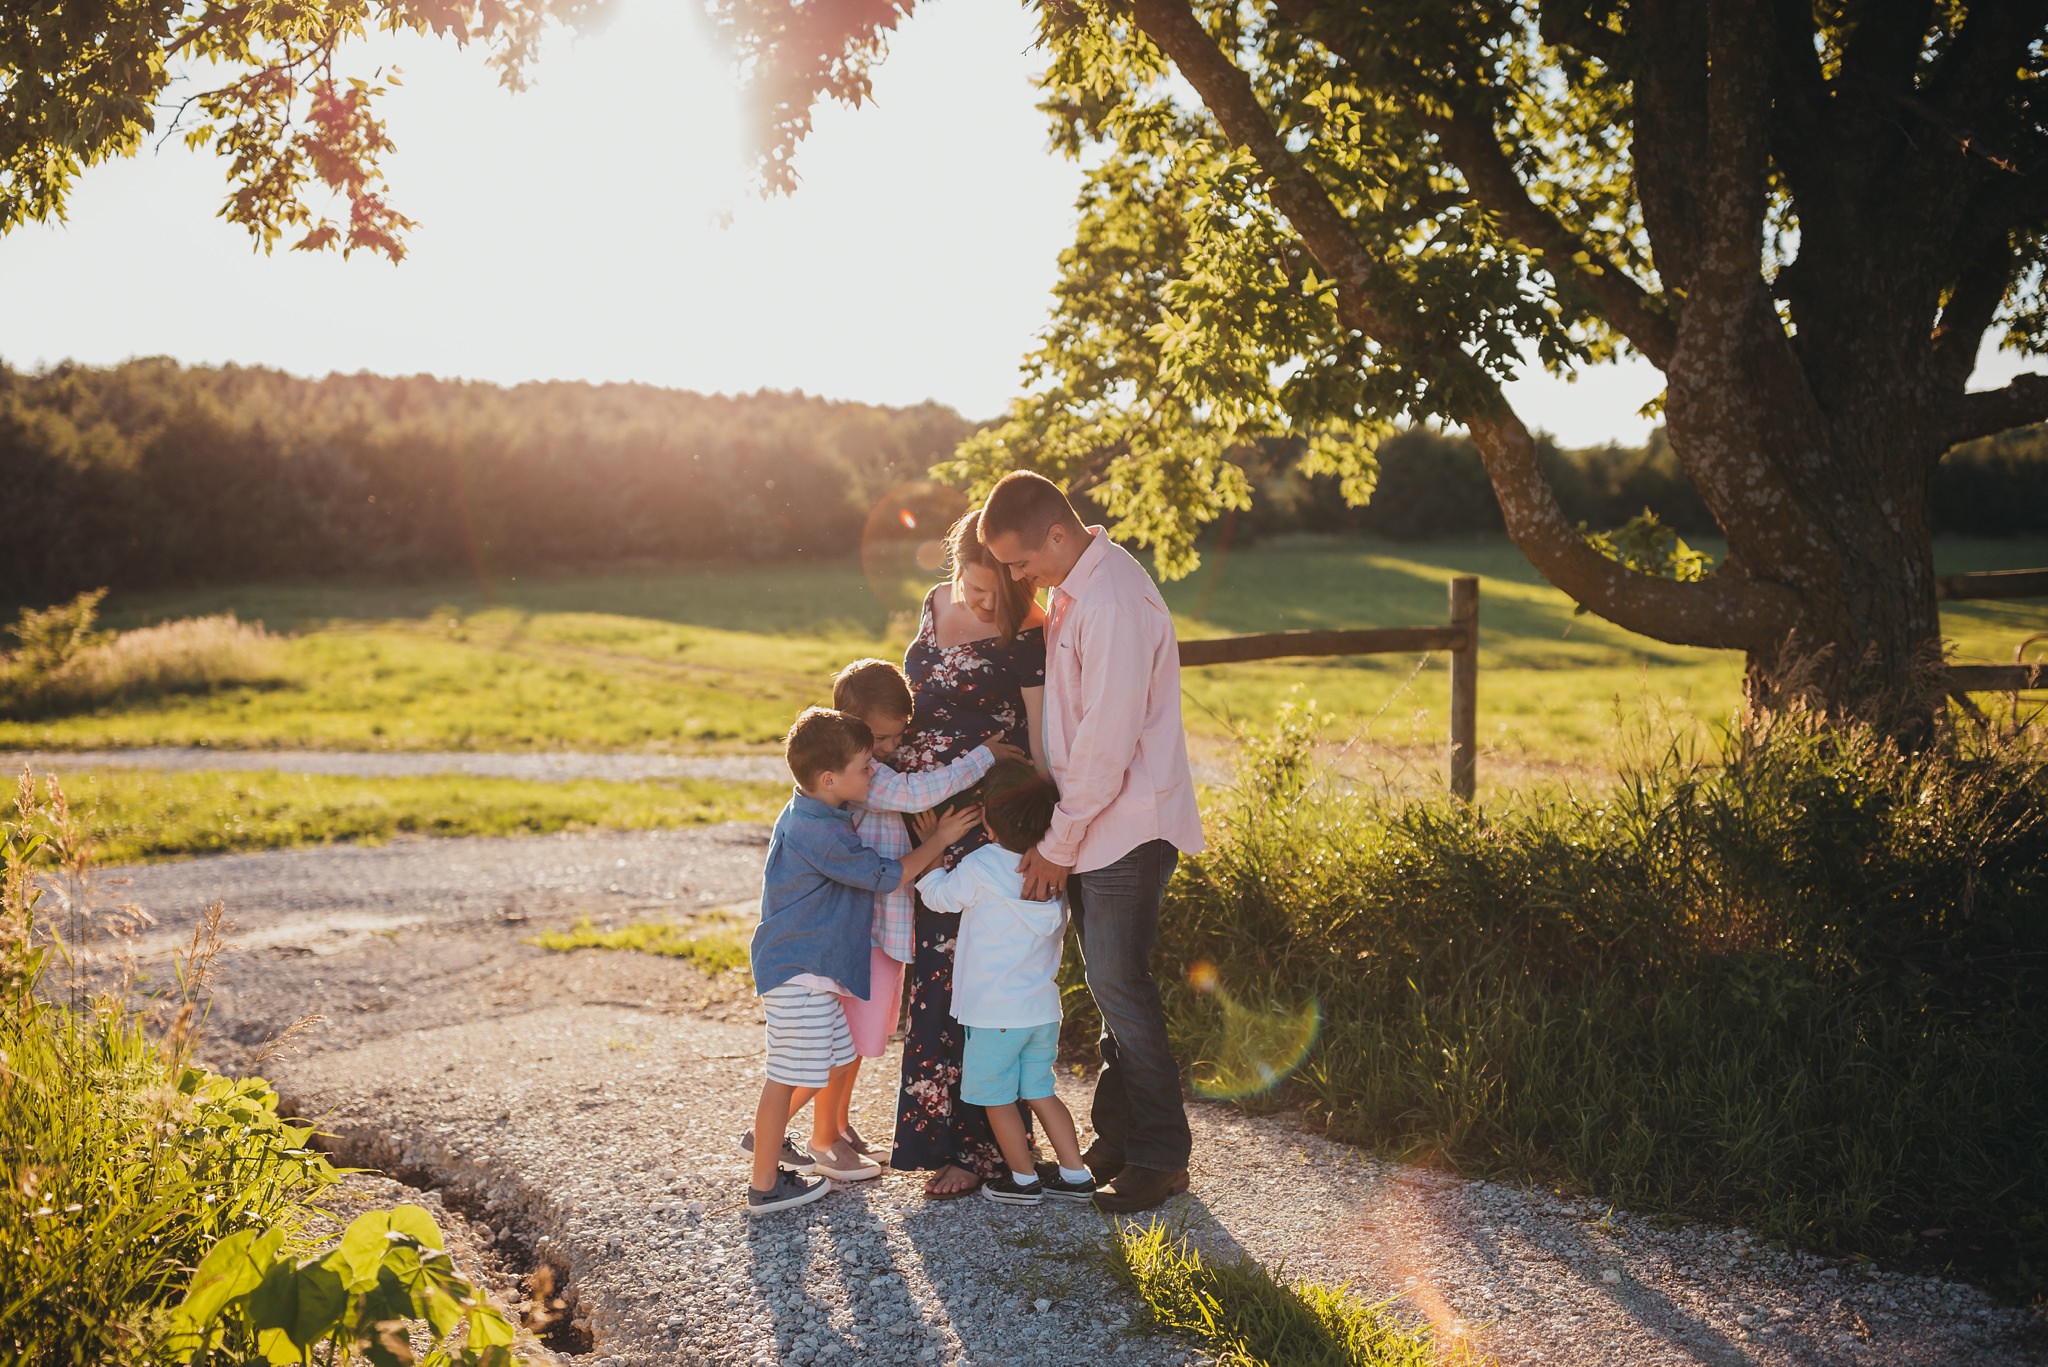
point(1018, 802)
point(823, 738)
point(866, 687)
point(1027, 506)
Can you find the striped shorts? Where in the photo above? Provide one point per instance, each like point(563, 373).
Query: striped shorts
point(807, 1035)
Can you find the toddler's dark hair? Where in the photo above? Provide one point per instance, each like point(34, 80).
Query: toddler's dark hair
point(1018, 802)
point(822, 739)
point(866, 687)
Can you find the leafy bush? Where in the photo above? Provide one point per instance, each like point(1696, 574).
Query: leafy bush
point(127, 1166)
point(64, 666)
point(1803, 988)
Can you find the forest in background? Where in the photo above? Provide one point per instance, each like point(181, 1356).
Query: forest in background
point(151, 474)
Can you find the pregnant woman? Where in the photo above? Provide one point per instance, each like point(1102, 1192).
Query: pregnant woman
point(977, 667)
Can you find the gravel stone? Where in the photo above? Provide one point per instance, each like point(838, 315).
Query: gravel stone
point(585, 1107)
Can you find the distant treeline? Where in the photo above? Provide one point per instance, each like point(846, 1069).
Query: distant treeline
point(1432, 484)
point(150, 475)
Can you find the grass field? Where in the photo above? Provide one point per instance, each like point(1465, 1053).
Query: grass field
point(138, 816)
point(718, 659)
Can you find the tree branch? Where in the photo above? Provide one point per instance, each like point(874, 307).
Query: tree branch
point(1972, 304)
point(1738, 144)
point(2021, 403)
point(1228, 93)
point(1728, 609)
point(1472, 146)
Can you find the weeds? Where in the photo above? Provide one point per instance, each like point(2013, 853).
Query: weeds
point(127, 1166)
point(1246, 1317)
point(1802, 988)
point(721, 949)
point(64, 666)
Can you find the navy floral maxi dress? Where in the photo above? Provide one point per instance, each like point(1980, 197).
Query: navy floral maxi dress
point(965, 694)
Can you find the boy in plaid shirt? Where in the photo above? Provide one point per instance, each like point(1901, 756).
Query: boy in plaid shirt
point(876, 692)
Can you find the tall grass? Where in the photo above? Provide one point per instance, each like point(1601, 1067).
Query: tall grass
point(62, 666)
point(1802, 987)
point(152, 1211)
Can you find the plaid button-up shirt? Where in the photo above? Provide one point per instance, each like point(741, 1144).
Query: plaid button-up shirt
point(879, 824)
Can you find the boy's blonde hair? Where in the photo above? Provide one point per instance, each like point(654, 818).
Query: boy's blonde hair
point(866, 687)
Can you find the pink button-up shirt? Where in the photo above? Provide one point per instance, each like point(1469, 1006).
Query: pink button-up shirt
point(1112, 715)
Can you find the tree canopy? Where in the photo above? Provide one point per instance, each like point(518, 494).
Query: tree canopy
point(1326, 219)
point(265, 84)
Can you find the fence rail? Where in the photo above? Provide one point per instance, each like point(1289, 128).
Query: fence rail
point(1460, 638)
point(1993, 584)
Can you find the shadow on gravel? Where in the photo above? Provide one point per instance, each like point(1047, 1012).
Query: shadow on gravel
point(797, 1264)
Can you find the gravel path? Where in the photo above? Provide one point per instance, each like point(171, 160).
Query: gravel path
point(543, 767)
point(581, 1109)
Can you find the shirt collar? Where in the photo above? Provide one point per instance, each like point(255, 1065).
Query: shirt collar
point(1089, 565)
point(806, 805)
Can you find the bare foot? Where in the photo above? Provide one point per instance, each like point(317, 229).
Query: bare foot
point(951, 1180)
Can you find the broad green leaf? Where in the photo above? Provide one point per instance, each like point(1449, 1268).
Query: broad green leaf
point(323, 1301)
point(233, 1267)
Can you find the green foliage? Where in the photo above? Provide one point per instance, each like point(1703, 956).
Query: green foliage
point(1246, 1317)
point(153, 1211)
point(50, 638)
point(720, 949)
point(124, 1162)
point(250, 1301)
point(1798, 988)
point(65, 667)
point(128, 474)
point(1647, 546)
point(136, 815)
point(271, 91)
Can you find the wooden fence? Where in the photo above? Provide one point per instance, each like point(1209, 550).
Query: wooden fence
point(1460, 638)
point(2019, 674)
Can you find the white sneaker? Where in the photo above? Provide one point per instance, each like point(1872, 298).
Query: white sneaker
point(842, 1164)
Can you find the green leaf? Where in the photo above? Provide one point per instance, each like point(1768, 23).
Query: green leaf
point(233, 1267)
point(323, 1304)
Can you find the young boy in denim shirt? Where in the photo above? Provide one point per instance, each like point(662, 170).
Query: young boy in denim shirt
point(817, 908)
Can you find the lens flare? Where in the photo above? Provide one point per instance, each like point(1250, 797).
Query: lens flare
point(898, 555)
point(1202, 976)
point(1259, 1046)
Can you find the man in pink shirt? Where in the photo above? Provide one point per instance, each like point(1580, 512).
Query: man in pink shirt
point(1126, 813)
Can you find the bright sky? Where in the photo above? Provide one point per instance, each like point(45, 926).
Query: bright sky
point(598, 227)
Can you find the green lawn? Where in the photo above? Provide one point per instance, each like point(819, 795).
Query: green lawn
point(719, 659)
point(140, 816)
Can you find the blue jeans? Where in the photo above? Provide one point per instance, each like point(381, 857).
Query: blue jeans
point(1138, 1110)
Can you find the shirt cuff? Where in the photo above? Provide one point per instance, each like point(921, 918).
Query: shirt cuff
point(931, 880)
point(1062, 842)
point(891, 875)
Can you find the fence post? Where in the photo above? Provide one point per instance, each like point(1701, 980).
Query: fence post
point(1465, 689)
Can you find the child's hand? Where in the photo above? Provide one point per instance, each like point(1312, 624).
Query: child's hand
point(924, 823)
point(957, 823)
point(1003, 750)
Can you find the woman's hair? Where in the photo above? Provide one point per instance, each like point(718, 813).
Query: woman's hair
point(1013, 595)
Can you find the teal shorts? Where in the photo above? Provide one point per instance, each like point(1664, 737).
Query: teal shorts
point(1008, 1063)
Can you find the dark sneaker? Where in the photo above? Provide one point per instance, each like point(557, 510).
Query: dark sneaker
point(790, 1190)
point(1010, 1192)
point(1058, 1188)
point(793, 1154)
point(1137, 1188)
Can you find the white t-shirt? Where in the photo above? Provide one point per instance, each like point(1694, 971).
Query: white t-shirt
point(1009, 950)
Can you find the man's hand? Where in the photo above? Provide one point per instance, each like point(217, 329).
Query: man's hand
point(1003, 750)
point(1043, 879)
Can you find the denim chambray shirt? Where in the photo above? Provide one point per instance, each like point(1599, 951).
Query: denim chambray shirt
point(818, 898)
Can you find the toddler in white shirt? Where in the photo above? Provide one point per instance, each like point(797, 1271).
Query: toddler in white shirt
point(1004, 989)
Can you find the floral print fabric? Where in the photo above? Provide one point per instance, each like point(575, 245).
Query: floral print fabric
point(965, 694)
